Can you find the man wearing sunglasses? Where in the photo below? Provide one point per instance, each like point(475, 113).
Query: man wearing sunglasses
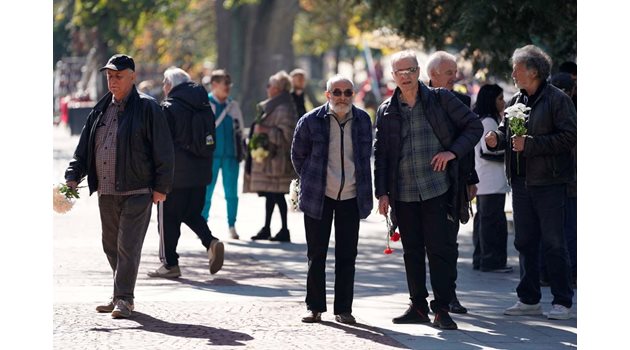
point(331, 151)
point(421, 135)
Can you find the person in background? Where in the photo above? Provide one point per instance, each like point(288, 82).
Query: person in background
point(331, 151)
point(192, 175)
point(539, 165)
point(298, 82)
point(126, 152)
point(230, 150)
point(490, 224)
point(442, 72)
point(271, 171)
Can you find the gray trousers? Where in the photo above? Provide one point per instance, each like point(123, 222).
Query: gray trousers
point(125, 220)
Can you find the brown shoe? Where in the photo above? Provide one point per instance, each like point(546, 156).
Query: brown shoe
point(312, 317)
point(106, 307)
point(215, 256)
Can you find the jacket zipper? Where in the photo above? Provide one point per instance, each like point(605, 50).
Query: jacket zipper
point(343, 169)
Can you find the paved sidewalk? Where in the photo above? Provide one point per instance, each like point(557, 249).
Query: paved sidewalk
point(256, 300)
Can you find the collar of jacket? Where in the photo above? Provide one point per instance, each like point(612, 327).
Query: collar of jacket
point(104, 102)
point(269, 105)
point(392, 108)
point(522, 94)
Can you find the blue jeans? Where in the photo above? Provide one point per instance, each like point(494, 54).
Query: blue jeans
point(539, 224)
point(229, 168)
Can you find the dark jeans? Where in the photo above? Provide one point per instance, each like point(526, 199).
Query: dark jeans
point(182, 205)
point(423, 225)
point(539, 222)
point(124, 220)
point(346, 216)
point(570, 231)
point(490, 232)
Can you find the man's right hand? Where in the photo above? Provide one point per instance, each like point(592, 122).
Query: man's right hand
point(491, 139)
point(72, 184)
point(383, 204)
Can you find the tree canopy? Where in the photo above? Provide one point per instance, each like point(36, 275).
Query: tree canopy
point(485, 31)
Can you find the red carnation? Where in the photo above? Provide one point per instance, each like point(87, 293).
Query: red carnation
point(395, 236)
point(388, 250)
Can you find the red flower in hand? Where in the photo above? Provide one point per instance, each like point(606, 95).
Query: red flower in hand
point(395, 236)
point(388, 250)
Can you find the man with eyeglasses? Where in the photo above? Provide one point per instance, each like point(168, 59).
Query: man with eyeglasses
point(331, 151)
point(421, 134)
point(230, 149)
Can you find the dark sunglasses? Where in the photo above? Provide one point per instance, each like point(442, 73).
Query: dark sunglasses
point(338, 93)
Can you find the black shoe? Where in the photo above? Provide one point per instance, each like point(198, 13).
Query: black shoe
point(456, 307)
point(443, 320)
point(264, 233)
point(282, 236)
point(413, 315)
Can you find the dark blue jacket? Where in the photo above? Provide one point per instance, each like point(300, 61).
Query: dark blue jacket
point(309, 154)
point(457, 128)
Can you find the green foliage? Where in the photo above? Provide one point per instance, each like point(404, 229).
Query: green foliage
point(485, 31)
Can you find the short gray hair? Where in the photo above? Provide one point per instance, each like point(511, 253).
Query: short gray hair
point(298, 71)
point(533, 58)
point(336, 78)
point(404, 54)
point(175, 76)
point(437, 58)
point(281, 80)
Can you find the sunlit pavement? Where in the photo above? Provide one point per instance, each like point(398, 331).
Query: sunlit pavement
point(257, 299)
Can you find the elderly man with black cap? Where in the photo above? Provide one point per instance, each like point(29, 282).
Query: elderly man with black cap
point(126, 152)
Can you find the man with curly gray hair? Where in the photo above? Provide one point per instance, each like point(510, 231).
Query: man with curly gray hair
point(539, 165)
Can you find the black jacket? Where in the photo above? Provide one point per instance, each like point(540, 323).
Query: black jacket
point(144, 151)
point(455, 125)
point(190, 170)
point(551, 138)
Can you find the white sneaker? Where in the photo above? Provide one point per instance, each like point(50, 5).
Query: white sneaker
point(559, 312)
point(233, 233)
point(122, 309)
point(215, 256)
point(163, 272)
point(522, 309)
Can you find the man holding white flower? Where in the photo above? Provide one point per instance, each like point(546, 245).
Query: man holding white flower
point(126, 152)
point(331, 153)
point(539, 167)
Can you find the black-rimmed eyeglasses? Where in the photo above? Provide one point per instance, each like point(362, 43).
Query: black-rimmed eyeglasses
point(346, 92)
point(406, 71)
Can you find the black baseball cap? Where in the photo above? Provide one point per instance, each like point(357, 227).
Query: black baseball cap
point(119, 62)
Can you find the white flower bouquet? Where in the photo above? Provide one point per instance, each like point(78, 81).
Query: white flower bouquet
point(294, 191)
point(64, 198)
point(517, 115)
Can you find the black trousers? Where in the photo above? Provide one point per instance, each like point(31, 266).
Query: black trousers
point(539, 224)
point(346, 216)
point(490, 232)
point(182, 205)
point(424, 227)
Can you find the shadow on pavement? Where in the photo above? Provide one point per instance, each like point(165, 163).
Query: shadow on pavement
point(365, 332)
point(215, 336)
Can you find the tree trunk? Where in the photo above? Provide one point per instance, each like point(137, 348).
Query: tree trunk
point(260, 44)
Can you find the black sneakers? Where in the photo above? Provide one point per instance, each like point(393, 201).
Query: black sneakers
point(457, 308)
point(282, 236)
point(264, 233)
point(443, 320)
point(413, 315)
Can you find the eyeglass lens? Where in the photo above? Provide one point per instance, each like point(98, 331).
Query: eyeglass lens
point(347, 92)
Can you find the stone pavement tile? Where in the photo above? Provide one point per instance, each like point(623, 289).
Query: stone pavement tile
point(196, 325)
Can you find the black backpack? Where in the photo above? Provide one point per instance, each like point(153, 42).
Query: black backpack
point(203, 132)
